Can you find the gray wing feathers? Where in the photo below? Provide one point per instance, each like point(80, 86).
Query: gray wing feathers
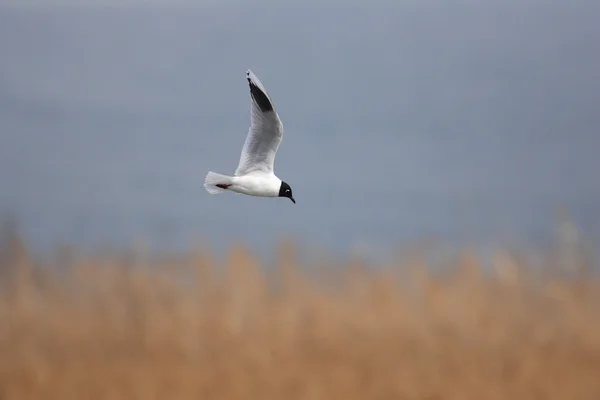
point(265, 133)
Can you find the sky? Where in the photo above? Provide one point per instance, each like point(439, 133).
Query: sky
point(463, 120)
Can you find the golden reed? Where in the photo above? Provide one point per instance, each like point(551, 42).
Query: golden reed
point(194, 328)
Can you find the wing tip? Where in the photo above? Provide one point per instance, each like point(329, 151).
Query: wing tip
point(258, 92)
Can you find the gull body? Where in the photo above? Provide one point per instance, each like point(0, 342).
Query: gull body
point(256, 184)
point(255, 174)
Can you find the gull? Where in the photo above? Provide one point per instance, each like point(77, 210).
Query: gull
point(255, 175)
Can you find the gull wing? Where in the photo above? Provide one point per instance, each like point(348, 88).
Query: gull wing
point(265, 133)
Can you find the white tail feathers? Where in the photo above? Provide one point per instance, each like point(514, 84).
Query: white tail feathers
point(213, 179)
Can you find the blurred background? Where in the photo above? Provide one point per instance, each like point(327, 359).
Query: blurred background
point(466, 125)
point(471, 122)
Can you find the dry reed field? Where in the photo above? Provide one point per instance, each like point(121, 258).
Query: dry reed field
point(115, 327)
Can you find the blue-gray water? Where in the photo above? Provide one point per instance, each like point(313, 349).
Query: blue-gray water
point(467, 121)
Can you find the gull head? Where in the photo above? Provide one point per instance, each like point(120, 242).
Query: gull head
point(286, 191)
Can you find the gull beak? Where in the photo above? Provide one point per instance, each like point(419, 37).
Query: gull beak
point(292, 199)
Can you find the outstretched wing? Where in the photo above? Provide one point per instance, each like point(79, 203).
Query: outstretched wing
point(265, 133)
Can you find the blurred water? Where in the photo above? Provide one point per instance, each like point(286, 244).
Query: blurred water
point(463, 121)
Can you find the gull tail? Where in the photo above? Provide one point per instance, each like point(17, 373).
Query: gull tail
point(216, 183)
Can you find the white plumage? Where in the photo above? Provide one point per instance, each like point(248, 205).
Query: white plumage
point(264, 135)
point(255, 174)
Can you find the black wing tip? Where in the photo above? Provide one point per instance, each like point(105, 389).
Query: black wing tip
point(260, 97)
